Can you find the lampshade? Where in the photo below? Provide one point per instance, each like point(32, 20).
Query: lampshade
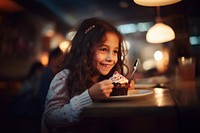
point(160, 33)
point(155, 2)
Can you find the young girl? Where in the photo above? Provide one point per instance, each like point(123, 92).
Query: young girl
point(97, 51)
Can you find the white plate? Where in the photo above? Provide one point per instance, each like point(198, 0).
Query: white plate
point(132, 94)
point(142, 85)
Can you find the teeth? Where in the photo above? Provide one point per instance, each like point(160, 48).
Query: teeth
point(107, 65)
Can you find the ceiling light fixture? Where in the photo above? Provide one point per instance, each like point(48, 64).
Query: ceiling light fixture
point(155, 2)
point(160, 32)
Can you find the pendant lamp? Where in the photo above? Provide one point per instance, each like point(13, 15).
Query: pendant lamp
point(155, 2)
point(160, 32)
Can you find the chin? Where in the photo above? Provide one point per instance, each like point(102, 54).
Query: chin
point(104, 72)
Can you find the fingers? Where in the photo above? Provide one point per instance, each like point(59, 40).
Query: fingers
point(106, 82)
point(101, 90)
point(132, 84)
point(106, 87)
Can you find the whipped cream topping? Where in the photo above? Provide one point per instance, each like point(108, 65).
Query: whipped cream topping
point(118, 78)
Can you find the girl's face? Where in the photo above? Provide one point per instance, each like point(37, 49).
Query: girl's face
point(105, 56)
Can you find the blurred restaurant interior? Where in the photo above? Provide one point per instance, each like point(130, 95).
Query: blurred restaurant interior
point(30, 29)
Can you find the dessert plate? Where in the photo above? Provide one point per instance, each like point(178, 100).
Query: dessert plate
point(143, 85)
point(132, 94)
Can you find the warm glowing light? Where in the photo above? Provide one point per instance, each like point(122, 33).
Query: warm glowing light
point(158, 55)
point(50, 33)
point(65, 46)
point(149, 64)
point(162, 59)
point(160, 33)
point(159, 92)
point(155, 2)
point(48, 30)
point(44, 58)
point(56, 40)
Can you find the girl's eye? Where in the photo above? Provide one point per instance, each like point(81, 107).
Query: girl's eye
point(103, 49)
point(115, 51)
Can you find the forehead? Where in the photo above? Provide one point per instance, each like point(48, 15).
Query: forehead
point(111, 38)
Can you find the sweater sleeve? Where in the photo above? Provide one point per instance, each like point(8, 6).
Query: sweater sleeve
point(59, 109)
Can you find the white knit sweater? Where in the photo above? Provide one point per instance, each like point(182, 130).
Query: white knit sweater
point(60, 110)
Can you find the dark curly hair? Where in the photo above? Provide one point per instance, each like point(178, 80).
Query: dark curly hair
point(90, 35)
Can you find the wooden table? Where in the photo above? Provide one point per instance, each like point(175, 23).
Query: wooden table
point(159, 103)
point(187, 97)
point(175, 109)
point(153, 113)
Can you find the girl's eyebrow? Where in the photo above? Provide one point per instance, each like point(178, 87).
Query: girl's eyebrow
point(104, 44)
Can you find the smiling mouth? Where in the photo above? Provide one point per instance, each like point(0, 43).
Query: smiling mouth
point(107, 65)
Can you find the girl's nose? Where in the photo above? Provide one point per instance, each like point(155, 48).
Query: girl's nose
point(109, 56)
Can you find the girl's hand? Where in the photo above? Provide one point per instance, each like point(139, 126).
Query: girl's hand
point(101, 90)
point(132, 85)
